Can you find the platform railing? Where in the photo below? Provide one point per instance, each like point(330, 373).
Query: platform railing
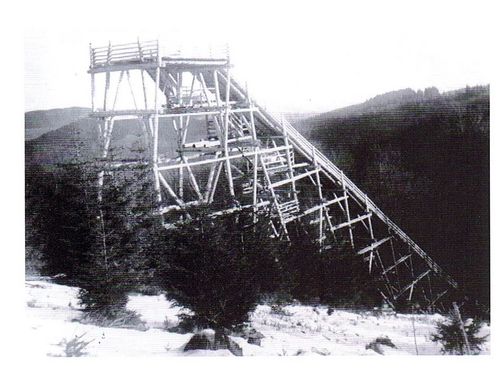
point(129, 52)
point(152, 50)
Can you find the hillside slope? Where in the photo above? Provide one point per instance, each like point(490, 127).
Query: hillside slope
point(423, 158)
point(37, 123)
point(426, 164)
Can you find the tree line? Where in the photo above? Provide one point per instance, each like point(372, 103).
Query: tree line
point(426, 164)
point(111, 242)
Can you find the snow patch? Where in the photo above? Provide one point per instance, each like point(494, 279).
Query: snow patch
point(52, 313)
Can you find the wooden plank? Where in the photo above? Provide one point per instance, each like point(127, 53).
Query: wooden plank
point(120, 67)
point(398, 262)
point(326, 204)
point(192, 180)
point(438, 297)
point(294, 178)
point(210, 182)
point(164, 182)
point(188, 112)
point(239, 208)
point(374, 245)
point(273, 194)
point(351, 222)
point(225, 134)
point(412, 284)
point(221, 158)
point(175, 207)
point(216, 180)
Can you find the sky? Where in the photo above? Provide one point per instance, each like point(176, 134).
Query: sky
point(295, 56)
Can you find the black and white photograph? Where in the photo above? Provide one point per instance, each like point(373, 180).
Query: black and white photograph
point(254, 179)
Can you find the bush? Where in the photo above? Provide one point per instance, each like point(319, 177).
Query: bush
point(57, 219)
point(450, 335)
point(334, 276)
point(115, 262)
point(217, 267)
point(102, 246)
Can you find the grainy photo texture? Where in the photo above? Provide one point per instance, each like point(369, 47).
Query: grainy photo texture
point(170, 213)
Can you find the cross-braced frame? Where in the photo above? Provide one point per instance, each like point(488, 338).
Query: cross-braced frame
point(210, 144)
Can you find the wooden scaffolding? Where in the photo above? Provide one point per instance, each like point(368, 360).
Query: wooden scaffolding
point(231, 154)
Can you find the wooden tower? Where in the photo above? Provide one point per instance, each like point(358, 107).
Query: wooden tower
point(228, 152)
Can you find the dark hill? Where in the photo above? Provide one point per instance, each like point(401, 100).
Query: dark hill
point(388, 102)
point(426, 163)
point(36, 123)
point(80, 140)
point(423, 157)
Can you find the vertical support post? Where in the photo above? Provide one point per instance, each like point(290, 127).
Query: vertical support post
point(106, 91)
point(320, 192)
point(144, 90)
point(255, 157)
point(156, 132)
point(179, 89)
point(141, 57)
point(370, 228)
point(226, 132)
point(118, 88)
point(131, 90)
point(181, 170)
point(216, 180)
point(210, 182)
point(274, 196)
point(108, 131)
point(92, 90)
point(289, 159)
point(108, 78)
point(346, 203)
point(179, 133)
point(217, 90)
point(92, 77)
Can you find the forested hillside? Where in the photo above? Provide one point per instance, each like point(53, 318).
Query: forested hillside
point(424, 159)
point(37, 123)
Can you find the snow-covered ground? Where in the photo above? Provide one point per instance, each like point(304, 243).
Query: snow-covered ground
point(52, 318)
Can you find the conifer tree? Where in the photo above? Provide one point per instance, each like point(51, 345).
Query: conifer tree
point(116, 262)
point(451, 335)
point(58, 215)
point(218, 266)
point(332, 274)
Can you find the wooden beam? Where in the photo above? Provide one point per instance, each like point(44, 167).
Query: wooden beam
point(346, 203)
point(350, 222)
point(239, 208)
point(273, 194)
point(292, 179)
point(187, 112)
point(210, 182)
point(318, 207)
point(412, 284)
point(399, 261)
point(216, 180)
point(192, 180)
point(438, 297)
point(106, 91)
point(171, 191)
point(222, 158)
point(118, 89)
point(373, 245)
point(156, 171)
